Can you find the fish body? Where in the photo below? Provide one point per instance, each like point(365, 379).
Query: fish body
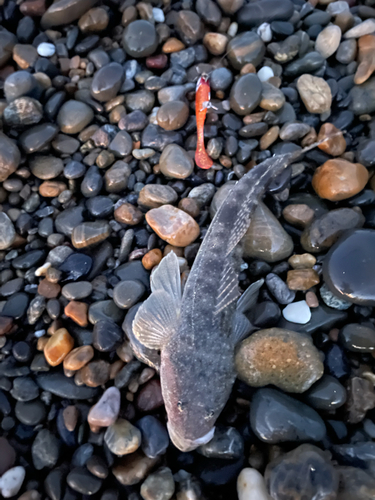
point(202, 99)
point(197, 331)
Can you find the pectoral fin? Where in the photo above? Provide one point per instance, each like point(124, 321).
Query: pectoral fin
point(249, 298)
point(241, 327)
point(156, 320)
point(167, 276)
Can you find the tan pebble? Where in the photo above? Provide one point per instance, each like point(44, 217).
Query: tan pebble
point(173, 225)
point(304, 261)
point(315, 93)
point(70, 416)
point(48, 290)
point(95, 373)
point(311, 299)
point(58, 347)
point(302, 279)
point(94, 20)
point(334, 143)
point(78, 358)
point(344, 20)
point(339, 179)
point(309, 138)
point(155, 195)
point(254, 118)
point(128, 214)
point(172, 45)
point(215, 43)
point(152, 258)
point(52, 189)
point(269, 137)
point(133, 468)
point(77, 311)
point(299, 215)
point(248, 68)
point(366, 59)
point(170, 248)
point(115, 368)
point(25, 55)
point(225, 161)
point(190, 206)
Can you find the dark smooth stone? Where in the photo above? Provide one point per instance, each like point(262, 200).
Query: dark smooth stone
point(140, 39)
point(287, 419)
point(30, 413)
point(107, 336)
point(336, 362)
point(16, 306)
point(20, 83)
point(101, 254)
point(37, 138)
point(227, 443)
point(21, 351)
point(221, 78)
point(133, 271)
point(282, 28)
point(76, 266)
point(74, 170)
point(100, 206)
point(326, 394)
point(366, 153)
point(5, 409)
point(68, 437)
point(68, 219)
point(155, 439)
point(28, 260)
point(155, 137)
point(24, 389)
point(265, 315)
point(64, 387)
point(348, 264)
point(265, 11)
point(107, 82)
point(307, 64)
point(322, 318)
point(218, 472)
point(356, 454)
point(53, 104)
point(134, 121)
point(357, 338)
point(45, 450)
point(128, 293)
point(317, 17)
point(82, 454)
point(97, 467)
point(363, 199)
point(124, 376)
point(92, 182)
point(81, 481)
point(53, 484)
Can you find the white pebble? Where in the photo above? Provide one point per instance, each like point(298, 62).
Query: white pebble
point(251, 485)
point(152, 118)
point(297, 312)
point(46, 49)
point(232, 30)
point(265, 73)
point(158, 15)
point(11, 481)
point(39, 333)
point(338, 7)
point(265, 32)
point(41, 271)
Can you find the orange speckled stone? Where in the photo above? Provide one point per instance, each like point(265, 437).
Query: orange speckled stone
point(172, 45)
point(58, 347)
point(152, 258)
point(339, 179)
point(77, 311)
point(51, 189)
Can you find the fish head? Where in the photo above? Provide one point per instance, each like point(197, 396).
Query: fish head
point(196, 387)
point(203, 81)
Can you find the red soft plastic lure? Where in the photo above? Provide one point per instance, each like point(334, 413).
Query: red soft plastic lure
point(202, 100)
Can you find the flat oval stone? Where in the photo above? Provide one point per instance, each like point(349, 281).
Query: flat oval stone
point(106, 336)
point(64, 387)
point(328, 41)
point(106, 410)
point(68, 219)
point(247, 48)
point(287, 419)
point(65, 12)
point(173, 225)
point(90, 233)
point(36, 138)
point(10, 157)
point(242, 101)
point(265, 11)
point(172, 115)
point(107, 82)
point(77, 291)
point(156, 195)
point(266, 239)
point(74, 116)
point(140, 39)
point(7, 232)
point(82, 481)
point(348, 265)
point(30, 412)
point(128, 293)
point(357, 338)
point(176, 162)
point(78, 357)
point(155, 439)
point(46, 167)
point(58, 347)
point(279, 357)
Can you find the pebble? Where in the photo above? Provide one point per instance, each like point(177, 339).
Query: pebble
point(315, 93)
point(357, 338)
point(251, 485)
point(7, 455)
point(338, 179)
point(90, 233)
point(328, 41)
point(365, 28)
point(159, 485)
point(361, 96)
point(122, 437)
point(10, 157)
point(78, 357)
point(227, 443)
point(279, 289)
point(173, 225)
point(279, 357)
point(287, 419)
point(82, 481)
point(133, 468)
point(299, 215)
point(302, 279)
point(107, 82)
point(156, 195)
point(334, 142)
point(107, 336)
point(11, 481)
point(128, 293)
point(266, 11)
point(266, 239)
point(155, 439)
point(361, 398)
point(366, 67)
point(304, 261)
point(140, 39)
point(241, 101)
point(175, 162)
point(77, 291)
point(289, 474)
point(105, 412)
point(326, 394)
point(7, 232)
point(297, 312)
point(45, 450)
point(58, 347)
point(46, 49)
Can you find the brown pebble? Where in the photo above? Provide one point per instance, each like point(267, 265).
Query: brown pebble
point(334, 143)
point(77, 311)
point(170, 248)
point(52, 189)
point(157, 62)
point(302, 279)
point(70, 416)
point(152, 258)
point(95, 373)
point(125, 352)
point(58, 347)
point(149, 397)
point(78, 358)
point(49, 290)
point(41, 343)
point(365, 58)
point(269, 137)
point(248, 68)
point(173, 45)
point(128, 214)
point(30, 495)
point(309, 138)
point(6, 325)
point(33, 8)
point(115, 368)
point(298, 215)
point(334, 334)
point(339, 179)
point(311, 299)
point(25, 55)
point(190, 206)
point(304, 261)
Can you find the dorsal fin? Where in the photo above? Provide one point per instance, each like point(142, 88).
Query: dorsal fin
point(228, 290)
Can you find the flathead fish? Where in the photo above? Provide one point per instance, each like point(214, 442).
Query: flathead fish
point(196, 330)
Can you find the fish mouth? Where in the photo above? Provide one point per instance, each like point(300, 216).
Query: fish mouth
point(189, 444)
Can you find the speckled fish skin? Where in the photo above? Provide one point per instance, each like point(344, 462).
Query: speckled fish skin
point(197, 360)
